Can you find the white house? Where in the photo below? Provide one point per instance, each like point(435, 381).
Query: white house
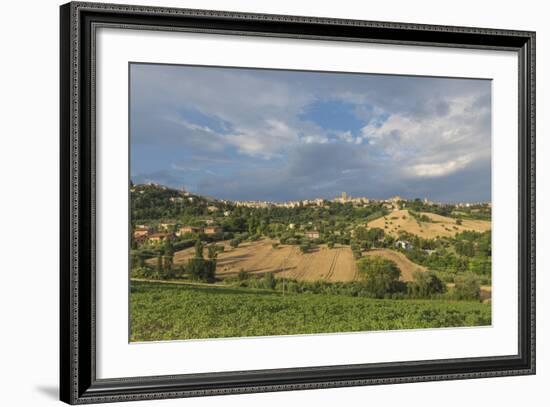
point(403, 244)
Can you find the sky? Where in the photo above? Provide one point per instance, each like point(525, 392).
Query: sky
point(279, 135)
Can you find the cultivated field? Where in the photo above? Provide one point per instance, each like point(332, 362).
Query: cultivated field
point(441, 226)
point(260, 257)
point(170, 312)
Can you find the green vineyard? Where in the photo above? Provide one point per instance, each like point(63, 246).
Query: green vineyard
point(176, 311)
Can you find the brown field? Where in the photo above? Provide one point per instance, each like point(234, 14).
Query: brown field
point(441, 226)
point(258, 258)
point(285, 261)
point(406, 266)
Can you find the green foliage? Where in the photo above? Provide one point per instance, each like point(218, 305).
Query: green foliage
point(375, 235)
point(467, 287)
point(480, 265)
point(243, 275)
point(160, 268)
point(234, 243)
point(269, 281)
point(464, 248)
point(212, 252)
point(361, 233)
point(168, 247)
point(199, 249)
point(381, 275)
point(170, 312)
point(306, 246)
point(201, 270)
point(425, 285)
point(356, 250)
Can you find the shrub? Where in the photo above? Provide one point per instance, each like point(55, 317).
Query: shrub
point(243, 275)
point(234, 243)
point(201, 269)
point(467, 287)
point(212, 252)
point(199, 248)
point(425, 284)
point(306, 246)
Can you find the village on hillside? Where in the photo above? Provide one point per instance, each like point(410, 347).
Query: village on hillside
point(308, 240)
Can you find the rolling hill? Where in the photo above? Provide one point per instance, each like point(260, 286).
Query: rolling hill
point(438, 225)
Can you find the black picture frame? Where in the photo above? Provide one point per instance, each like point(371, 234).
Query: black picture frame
point(78, 382)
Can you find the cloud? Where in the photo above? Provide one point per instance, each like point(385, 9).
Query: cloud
point(262, 134)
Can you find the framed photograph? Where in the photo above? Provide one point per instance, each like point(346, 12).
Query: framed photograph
point(255, 203)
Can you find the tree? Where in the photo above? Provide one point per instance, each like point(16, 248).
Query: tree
point(356, 250)
point(212, 252)
point(201, 269)
point(361, 233)
point(425, 284)
point(381, 275)
point(467, 287)
point(199, 248)
point(159, 267)
point(306, 246)
point(480, 265)
point(141, 260)
point(168, 247)
point(168, 267)
point(269, 281)
point(374, 235)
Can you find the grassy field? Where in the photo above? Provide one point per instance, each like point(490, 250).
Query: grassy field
point(441, 226)
point(169, 312)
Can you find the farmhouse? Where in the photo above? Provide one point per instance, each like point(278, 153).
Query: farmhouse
point(167, 226)
point(160, 237)
point(403, 244)
point(141, 231)
point(212, 230)
point(188, 229)
point(312, 234)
